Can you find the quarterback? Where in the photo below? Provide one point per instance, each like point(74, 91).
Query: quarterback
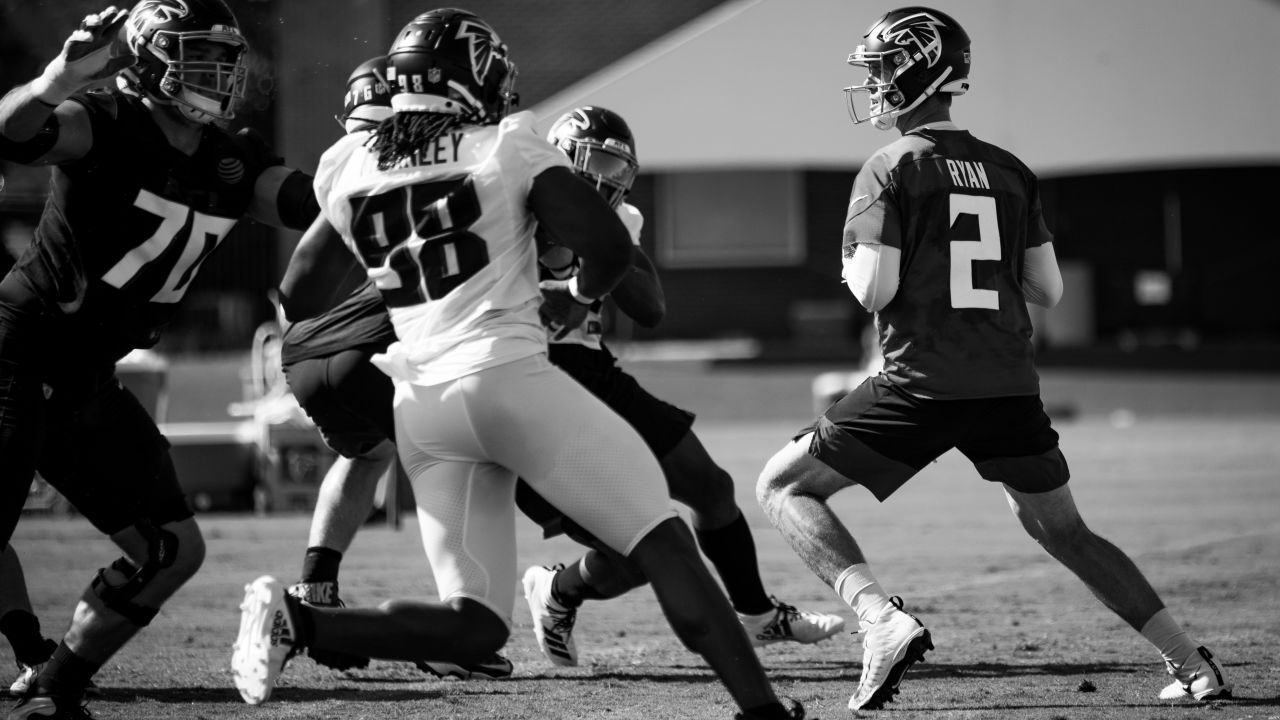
point(945, 241)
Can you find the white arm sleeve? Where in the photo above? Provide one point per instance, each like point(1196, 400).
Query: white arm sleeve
point(872, 274)
point(1041, 279)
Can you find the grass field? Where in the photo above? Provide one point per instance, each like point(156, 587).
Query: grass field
point(1191, 490)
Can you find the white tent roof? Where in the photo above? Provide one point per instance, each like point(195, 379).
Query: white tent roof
point(1067, 85)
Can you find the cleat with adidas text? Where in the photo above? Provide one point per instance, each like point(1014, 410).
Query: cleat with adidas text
point(552, 623)
point(496, 667)
point(785, 623)
point(266, 641)
point(45, 707)
point(891, 645)
point(1202, 681)
point(325, 594)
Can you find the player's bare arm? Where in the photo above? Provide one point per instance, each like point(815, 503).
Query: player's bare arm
point(321, 271)
point(640, 295)
point(37, 125)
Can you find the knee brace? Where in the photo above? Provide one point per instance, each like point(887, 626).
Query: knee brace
point(162, 550)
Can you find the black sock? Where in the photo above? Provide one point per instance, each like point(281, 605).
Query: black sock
point(22, 629)
point(65, 675)
point(733, 551)
point(320, 564)
point(569, 588)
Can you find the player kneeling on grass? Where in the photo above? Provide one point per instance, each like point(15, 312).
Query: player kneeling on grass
point(602, 149)
point(958, 360)
point(439, 205)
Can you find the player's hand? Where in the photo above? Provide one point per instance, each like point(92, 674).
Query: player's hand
point(560, 311)
point(93, 54)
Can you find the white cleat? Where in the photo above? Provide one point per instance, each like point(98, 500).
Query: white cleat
point(788, 624)
point(26, 679)
point(1204, 682)
point(891, 645)
point(552, 623)
point(266, 641)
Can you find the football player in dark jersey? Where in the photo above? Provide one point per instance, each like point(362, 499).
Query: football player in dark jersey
point(326, 363)
point(145, 185)
point(945, 242)
point(602, 149)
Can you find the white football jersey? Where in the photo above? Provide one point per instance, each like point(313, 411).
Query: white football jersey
point(591, 331)
point(447, 237)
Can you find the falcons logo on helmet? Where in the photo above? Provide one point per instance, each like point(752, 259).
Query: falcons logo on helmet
point(919, 31)
point(167, 11)
point(481, 41)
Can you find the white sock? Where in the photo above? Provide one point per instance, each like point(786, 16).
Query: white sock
point(860, 591)
point(1171, 640)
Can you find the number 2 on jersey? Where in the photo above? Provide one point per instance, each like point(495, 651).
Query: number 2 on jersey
point(416, 241)
point(965, 251)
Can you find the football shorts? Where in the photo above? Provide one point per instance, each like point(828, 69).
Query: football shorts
point(347, 398)
point(879, 436)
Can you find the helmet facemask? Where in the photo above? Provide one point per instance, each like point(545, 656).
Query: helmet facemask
point(204, 72)
point(608, 166)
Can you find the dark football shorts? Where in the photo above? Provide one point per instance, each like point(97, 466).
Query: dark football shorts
point(879, 436)
point(106, 456)
point(348, 398)
point(661, 424)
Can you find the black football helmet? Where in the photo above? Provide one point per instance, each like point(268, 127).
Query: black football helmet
point(450, 61)
point(909, 54)
point(368, 97)
point(602, 149)
point(179, 61)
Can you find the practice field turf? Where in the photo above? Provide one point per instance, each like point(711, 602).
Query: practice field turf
point(1193, 497)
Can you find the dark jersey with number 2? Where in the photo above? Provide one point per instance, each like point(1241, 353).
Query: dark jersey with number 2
point(963, 213)
point(126, 228)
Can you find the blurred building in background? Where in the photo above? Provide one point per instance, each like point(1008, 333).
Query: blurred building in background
point(1150, 123)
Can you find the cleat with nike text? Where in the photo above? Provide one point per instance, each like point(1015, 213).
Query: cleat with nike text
point(45, 707)
point(325, 594)
point(1203, 682)
point(267, 639)
point(786, 623)
point(891, 645)
point(496, 667)
point(552, 623)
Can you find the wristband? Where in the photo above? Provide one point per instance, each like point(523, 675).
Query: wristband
point(573, 290)
point(47, 93)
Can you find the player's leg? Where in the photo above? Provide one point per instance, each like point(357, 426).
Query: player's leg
point(349, 401)
point(468, 528)
point(19, 624)
point(725, 538)
point(552, 433)
point(1051, 518)
point(109, 460)
point(1019, 448)
point(834, 453)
